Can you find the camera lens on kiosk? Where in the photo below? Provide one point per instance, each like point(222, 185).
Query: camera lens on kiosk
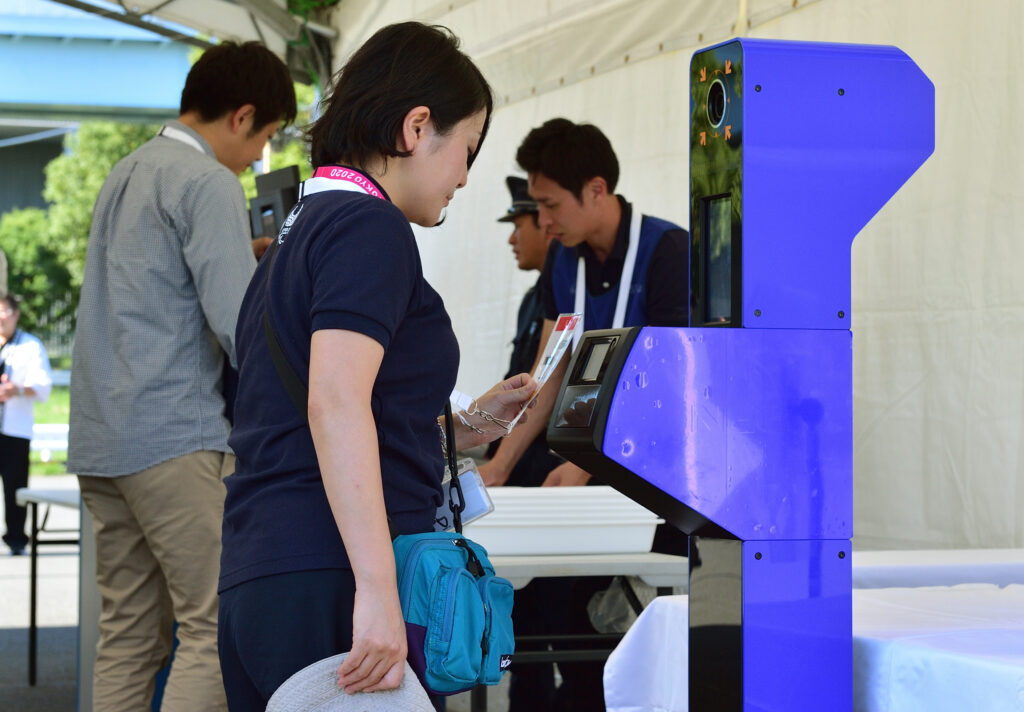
point(716, 102)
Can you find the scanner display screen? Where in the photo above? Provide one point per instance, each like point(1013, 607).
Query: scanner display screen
point(595, 359)
point(578, 407)
point(718, 256)
point(579, 398)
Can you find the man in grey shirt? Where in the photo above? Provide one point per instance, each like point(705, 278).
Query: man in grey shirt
point(168, 262)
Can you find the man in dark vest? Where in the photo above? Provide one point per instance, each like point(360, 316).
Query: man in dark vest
point(601, 246)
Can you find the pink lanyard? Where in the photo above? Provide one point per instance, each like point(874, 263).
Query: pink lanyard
point(338, 178)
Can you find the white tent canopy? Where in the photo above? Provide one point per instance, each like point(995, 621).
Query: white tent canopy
point(938, 297)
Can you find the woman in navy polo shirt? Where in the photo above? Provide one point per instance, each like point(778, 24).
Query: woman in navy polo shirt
point(307, 569)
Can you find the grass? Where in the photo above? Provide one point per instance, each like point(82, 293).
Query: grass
point(57, 465)
point(54, 410)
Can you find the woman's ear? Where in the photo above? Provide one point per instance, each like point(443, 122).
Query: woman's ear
point(415, 127)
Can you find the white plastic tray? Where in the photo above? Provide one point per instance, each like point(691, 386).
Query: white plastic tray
point(532, 538)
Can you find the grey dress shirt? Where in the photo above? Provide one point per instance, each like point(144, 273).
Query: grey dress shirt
point(168, 262)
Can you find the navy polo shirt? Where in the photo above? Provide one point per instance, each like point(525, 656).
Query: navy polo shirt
point(347, 261)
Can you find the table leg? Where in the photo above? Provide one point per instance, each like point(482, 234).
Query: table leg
point(32, 597)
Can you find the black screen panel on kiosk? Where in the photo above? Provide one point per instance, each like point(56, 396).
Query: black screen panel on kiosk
point(269, 222)
point(595, 359)
point(718, 259)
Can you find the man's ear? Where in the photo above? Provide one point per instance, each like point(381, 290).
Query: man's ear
point(595, 189)
point(242, 118)
point(415, 127)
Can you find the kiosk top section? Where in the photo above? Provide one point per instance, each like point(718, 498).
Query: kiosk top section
point(795, 146)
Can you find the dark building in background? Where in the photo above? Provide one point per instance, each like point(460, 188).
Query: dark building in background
point(25, 149)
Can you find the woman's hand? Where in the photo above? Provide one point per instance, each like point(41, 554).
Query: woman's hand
point(490, 414)
point(377, 659)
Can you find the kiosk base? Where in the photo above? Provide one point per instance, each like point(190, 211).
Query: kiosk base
point(770, 625)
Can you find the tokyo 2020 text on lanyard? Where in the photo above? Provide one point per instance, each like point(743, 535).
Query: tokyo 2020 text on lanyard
point(339, 178)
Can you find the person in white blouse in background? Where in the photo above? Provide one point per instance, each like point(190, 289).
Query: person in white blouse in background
point(25, 379)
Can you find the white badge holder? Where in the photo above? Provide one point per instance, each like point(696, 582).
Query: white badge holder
point(474, 493)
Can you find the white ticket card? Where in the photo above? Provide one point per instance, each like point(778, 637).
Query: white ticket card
point(567, 328)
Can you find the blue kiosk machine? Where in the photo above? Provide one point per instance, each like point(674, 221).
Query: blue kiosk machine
point(738, 430)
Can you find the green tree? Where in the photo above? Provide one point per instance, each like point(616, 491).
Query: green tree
point(35, 272)
point(73, 181)
point(46, 248)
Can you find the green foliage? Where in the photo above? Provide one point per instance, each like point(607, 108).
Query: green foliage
point(304, 7)
point(35, 271)
point(74, 179)
point(46, 249)
point(56, 408)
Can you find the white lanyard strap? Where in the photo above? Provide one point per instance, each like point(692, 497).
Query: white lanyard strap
point(625, 281)
point(185, 138)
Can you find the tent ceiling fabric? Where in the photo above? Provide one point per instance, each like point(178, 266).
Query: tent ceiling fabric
point(937, 296)
point(305, 45)
point(529, 48)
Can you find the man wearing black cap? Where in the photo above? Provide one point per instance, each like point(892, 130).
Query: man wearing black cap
point(531, 687)
point(530, 247)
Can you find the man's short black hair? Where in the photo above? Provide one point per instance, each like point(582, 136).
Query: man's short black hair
point(569, 154)
point(400, 67)
point(11, 301)
point(230, 75)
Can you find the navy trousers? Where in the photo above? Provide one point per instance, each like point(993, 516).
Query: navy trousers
point(14, 470)
point(272, 627)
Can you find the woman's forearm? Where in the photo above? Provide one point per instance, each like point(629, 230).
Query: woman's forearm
point(345, 438)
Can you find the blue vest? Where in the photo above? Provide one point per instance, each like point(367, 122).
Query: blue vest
point(601, 310)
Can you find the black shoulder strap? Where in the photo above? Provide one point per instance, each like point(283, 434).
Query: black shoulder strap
point(453, 468)
point(296, 389)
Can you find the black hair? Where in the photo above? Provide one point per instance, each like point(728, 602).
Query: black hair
point(11, 301)
point(230, 75)
point(569, 154)
point(400, 67)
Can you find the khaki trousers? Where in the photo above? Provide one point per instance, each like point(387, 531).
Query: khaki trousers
point(157, 561)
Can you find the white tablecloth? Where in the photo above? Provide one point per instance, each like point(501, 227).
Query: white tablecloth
point(945, 567)
point(933, 649)
point(871, 569)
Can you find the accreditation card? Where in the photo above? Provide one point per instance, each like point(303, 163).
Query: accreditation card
point(567, 328)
